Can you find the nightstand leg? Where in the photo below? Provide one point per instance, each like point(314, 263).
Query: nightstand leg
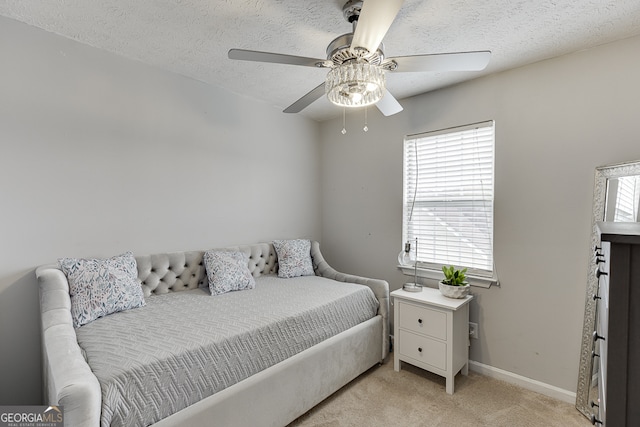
point(449, 385)
point(396, 363)
point(465, 369)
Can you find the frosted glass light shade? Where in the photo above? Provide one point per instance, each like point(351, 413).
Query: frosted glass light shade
point(355, 84)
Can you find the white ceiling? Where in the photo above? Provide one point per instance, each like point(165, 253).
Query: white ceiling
point(192, 37)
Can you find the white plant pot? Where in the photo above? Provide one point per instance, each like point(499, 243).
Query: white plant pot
point(454, 291)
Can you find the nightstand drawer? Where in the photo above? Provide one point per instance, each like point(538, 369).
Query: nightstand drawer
point(423, 320)
point(423, 349)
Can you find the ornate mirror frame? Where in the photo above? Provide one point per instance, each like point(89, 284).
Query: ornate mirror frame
point(603, 173)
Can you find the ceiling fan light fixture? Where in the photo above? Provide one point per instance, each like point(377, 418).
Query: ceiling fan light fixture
point(355, 83)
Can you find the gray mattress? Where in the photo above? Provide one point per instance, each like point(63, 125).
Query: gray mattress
point(182, 347)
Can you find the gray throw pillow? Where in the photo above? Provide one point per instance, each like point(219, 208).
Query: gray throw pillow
point(294, 258)
point(98, 287)
point(228, 271)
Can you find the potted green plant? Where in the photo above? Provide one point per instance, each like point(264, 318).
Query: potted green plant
point(454, 284)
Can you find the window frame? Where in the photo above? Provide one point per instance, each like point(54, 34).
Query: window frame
point(431, 270)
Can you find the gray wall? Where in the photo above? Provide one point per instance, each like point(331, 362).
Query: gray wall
point(555, 122)
point(99, 155)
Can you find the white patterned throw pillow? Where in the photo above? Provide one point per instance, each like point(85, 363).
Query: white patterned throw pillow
point(99, 287)
point(294, 258)
point(228, 271)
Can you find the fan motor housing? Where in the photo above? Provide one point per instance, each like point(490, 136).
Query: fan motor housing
point(339, 51)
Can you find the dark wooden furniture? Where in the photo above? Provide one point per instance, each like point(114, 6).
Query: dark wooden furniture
point(618, 324)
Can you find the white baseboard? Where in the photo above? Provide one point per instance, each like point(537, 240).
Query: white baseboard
point(524, 382)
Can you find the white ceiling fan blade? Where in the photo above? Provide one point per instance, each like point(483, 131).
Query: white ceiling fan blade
point(374, 21)
point(306, 100)
point(458, 61)
point(388, 105)
point(276, 58)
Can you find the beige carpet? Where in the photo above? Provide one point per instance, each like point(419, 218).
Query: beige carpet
point(413, 397)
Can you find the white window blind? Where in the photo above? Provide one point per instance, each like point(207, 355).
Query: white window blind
point(448, 197)
point(627, 199)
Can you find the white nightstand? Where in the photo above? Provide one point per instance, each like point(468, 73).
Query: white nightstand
point(431, 332)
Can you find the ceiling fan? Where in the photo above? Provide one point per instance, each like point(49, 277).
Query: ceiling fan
point(357, 63)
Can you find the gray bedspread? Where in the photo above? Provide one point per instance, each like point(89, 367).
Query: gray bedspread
point(182, 347)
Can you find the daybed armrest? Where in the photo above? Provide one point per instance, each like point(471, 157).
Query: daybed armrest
point(379, 287)
point(68, 380)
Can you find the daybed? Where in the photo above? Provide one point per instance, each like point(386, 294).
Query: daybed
point(257, 394)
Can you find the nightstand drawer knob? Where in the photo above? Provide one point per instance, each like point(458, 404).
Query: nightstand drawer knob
point(420, 321)
point(420, 349)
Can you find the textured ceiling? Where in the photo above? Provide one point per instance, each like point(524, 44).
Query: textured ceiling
point(192, 37)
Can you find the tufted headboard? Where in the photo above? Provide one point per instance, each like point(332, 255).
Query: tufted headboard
point(179, 271)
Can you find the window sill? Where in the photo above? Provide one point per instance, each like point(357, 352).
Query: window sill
point(481, 282)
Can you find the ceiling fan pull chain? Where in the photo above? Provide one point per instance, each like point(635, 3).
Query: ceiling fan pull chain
point(365, 128)
point(344, 120)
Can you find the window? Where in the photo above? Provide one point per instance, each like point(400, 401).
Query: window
point(448, 198)
point(627, 199)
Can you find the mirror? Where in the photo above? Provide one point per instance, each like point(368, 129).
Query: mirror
point(616, 197)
